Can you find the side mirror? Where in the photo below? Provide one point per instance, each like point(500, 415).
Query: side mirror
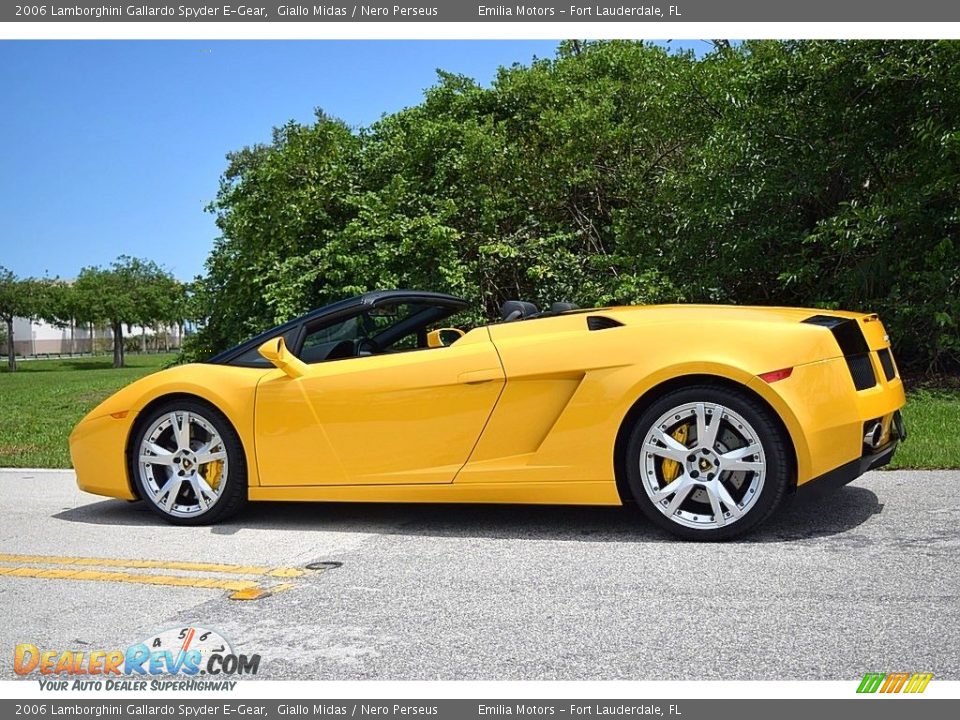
point(443, 337)
point(275, 350)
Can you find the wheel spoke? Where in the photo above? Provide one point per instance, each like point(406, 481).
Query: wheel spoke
point(171, 489)
point(707, 434)
point(205, 488)
point(671, 442)
point(669, 453)
point(681, 484)
point(727, 499)
point(157, 449)
point(181, 429)
point(714, 496)
point(204, 454)
point(160, 455)
point(211, 457)
point(739, 465)
point(195, 484)
point(678, 497)
point(157, 459)
point(734, 460)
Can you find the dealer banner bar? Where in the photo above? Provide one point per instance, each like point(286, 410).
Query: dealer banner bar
point(648, 11)
point(718, 709)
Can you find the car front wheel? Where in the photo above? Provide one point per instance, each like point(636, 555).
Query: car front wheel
point(708, 463)
point(188, 463)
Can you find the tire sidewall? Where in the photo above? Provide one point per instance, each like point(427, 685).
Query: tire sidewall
point(234, 492)
point(769, 434)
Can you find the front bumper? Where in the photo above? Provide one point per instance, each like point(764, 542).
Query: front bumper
point(98, 452)
point(870, 460)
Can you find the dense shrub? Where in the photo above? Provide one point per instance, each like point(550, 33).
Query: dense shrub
point(809, 173)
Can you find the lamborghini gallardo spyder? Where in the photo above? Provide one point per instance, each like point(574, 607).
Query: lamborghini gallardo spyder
point(706, 417)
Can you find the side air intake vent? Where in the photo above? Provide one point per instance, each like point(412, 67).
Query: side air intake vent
point(861, 370)
point(599, 322)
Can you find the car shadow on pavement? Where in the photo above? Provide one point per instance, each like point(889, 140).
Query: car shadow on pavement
point(802, 518)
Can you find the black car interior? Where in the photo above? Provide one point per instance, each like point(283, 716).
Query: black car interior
point(385, 321)
point(363, 335)
point(520, 310)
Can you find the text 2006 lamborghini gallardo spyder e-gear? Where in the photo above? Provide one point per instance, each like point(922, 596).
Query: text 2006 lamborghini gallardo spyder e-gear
point(704, 416)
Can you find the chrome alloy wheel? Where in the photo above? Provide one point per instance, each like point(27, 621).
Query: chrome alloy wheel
point(182, 463)
point(702, 465)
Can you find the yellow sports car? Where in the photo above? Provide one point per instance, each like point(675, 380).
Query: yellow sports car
point(704, 416)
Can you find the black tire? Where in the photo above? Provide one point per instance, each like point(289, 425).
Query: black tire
point(233, 493)
point(777, 451)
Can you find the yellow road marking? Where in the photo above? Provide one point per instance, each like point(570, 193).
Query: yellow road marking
point(255, 593)
point(126, 577)
point(88, 568)
point(285, 572)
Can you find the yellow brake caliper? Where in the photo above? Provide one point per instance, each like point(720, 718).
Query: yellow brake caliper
point(213, 472)
point(671, 468)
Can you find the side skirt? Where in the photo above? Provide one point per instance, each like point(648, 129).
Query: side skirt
point(542, 493)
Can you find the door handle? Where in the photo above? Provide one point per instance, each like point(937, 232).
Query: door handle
point(475, 377)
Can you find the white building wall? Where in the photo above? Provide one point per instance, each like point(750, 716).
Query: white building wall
point(36, 337)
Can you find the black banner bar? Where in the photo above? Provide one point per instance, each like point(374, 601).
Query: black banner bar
point(326, 709)
point(648, 11)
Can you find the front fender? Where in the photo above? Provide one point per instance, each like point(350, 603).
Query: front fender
point(99, 441)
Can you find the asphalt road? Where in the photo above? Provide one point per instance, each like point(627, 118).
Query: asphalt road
point(867, 579)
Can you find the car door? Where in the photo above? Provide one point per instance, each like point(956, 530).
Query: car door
point(393, 418)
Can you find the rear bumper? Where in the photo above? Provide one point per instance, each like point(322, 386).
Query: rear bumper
point(826, 415)
point(870, 460)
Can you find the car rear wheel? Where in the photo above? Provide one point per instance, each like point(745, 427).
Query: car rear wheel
point(188, 463)
point(708, 463)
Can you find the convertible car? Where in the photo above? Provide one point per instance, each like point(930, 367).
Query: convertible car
point(706, 417)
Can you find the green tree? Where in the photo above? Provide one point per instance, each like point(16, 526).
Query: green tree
point(816, 173)
point(831, 178)
point(19, 297)
point(54, 305)
point(130, 292)
point(276, 202)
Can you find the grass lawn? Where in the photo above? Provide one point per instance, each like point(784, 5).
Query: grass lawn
point(43, 400)
point(931, 416)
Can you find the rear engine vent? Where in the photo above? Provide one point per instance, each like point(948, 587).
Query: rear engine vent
point(886, 362)
point(847, 332)
point(827, 321)
point(853, 345)
point(861, 370)
point(598, 322)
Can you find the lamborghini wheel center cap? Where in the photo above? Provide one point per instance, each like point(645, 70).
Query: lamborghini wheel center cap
point(185, 461)
point(703, 464)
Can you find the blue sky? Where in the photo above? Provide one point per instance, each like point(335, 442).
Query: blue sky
point(110, 148)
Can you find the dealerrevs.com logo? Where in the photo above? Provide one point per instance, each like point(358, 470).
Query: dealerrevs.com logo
point(898, 682)
point(156, 663)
